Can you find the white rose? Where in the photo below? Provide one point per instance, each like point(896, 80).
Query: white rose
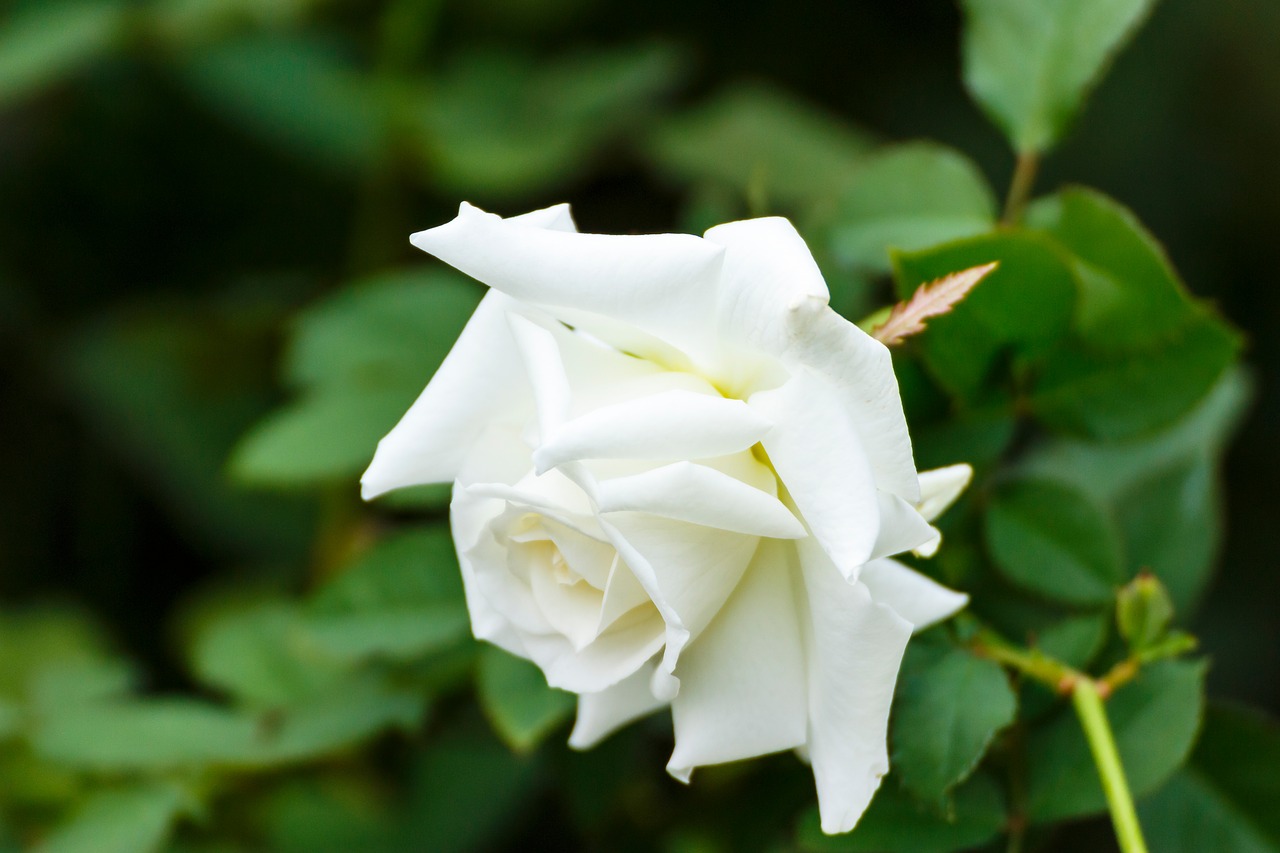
point(678, 476)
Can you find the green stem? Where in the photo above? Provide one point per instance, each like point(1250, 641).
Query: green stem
point(1093, 719)
point(1032, 663)
point(1024, 179)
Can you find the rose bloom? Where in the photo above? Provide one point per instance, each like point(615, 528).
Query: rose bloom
point(678, 477)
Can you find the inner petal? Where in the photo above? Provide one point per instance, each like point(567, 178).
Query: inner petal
point(570, 605)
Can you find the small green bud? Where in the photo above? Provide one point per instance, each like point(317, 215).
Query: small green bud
point(1143, 611)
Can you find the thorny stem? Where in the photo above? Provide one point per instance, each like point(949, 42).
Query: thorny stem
point(1030, 662)
point(1087, 695)
point(1093, 719)
point(1024, 178)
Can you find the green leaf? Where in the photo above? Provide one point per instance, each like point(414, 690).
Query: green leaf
point(1163, 489)
point(326, 437)
point(1144, 352)
point(759, 141)
point(910, 197)
point(1237, 754)
point(11, 718)
point(359, 359)
point(47, 41)
point(1155, 719)
point(401, 600)
point(1021, 308)
point(394, 328)
point(894, 822)
point(263, 656)
point(60, 683)
point(1190, 815)
point(1112, 471)
point(1031, 63)
point(326, 813)
point(1053, 540)
point(483, 784)
point(125, 820)
point(515, 697)
point(185, 734)
point(1130, 297)
point(1113, 397)
point(300, 95)
point(52, 658)
point(948, 709)
point(1172, 525)
point(498, 125)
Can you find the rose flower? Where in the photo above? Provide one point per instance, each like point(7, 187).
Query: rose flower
point(678, 478)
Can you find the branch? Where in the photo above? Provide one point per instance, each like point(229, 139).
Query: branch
point(930, 300)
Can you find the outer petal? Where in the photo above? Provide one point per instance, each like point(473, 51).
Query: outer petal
point(742, 689)
point(554, 218)
point(768, 271)
point(861, 370)
point(490, 618)
point(854, 650)
point(673, 424)
point(480, 384)
point(700, 495)
point(940, 487)
point(773, 299)
point(902, 527)
point(916, 598)
point(601, 714)
point(498, 456)
point(821, 462)
point(661, 284)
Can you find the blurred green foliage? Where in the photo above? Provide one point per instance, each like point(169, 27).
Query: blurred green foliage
point(208, 643)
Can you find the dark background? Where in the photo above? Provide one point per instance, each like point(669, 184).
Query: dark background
point(120, 193)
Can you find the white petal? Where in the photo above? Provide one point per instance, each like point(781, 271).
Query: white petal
point(860, 370)
point(916, 598)
point(854, 651)
point(700, 495)
point(553, 495)
point(668, 425)
point(902, 527)
point(940, 487)
point(591, 558)
point(742, 683)
point(687, 570)
point(662, 284)
point(571, 609)
point(547, 377)
point(768, 270)
point(928, 549)
point(773, 298)
point(480, 384)
point(556, 218)
point(499, 611)
point(821, 462)
point(614, 655)
point(601, 714)
point(622, 593)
